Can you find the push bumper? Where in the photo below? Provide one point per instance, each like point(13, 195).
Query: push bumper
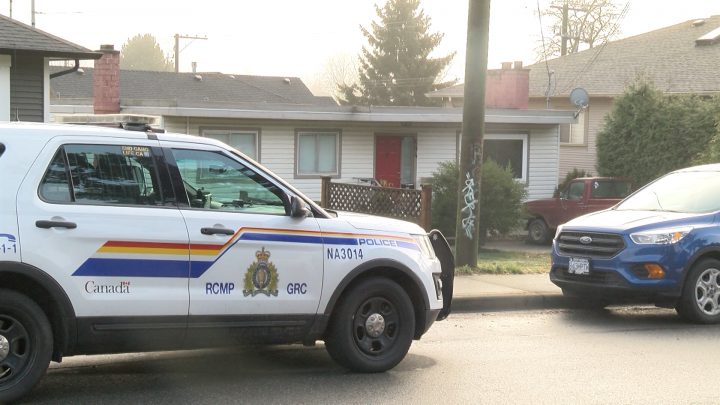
point(447, 276)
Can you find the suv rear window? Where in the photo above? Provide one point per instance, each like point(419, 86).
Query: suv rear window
point(102, 174)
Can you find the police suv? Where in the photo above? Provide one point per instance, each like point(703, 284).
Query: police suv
point(123, 241)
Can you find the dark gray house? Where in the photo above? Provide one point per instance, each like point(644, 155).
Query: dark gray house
point(25, 55)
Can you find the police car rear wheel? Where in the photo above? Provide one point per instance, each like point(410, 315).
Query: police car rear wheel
point(25, 345)
point(372, 328)
point(700, 301)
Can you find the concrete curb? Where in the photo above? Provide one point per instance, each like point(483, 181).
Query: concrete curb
point(509, 302)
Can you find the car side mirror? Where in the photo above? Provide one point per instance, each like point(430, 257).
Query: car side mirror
point(298, 208)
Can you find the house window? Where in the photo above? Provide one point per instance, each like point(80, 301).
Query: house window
point(574, 134)
point(317, 153)
point(246, 141)
point(508, 150)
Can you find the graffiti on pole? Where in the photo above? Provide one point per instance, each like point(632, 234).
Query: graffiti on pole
point(468, 221)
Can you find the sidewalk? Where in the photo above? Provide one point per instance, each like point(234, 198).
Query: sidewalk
point(507, 292)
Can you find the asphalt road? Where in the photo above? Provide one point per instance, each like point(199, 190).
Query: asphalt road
point(632, 356)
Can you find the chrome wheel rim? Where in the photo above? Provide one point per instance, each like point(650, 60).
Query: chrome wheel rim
point(16, 348)
point(4, 347)
point(707, 292)
point(376, 326)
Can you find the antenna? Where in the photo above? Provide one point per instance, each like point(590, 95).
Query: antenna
point(178, 37)
point(579, 98)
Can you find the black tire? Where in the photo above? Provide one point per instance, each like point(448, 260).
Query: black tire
point(25, 345)
point(538, 232)
point(351, 340)
point(700, 300)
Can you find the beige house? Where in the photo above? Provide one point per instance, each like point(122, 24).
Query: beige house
point(679, 59)
point(301, 137)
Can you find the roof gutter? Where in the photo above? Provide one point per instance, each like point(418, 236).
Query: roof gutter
point(64, 72)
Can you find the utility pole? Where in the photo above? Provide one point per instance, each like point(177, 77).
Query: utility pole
point(564, 35)
point(473, 128)
point(32, 12)
point(563, 48)
point(10, 8)
point(177, 48)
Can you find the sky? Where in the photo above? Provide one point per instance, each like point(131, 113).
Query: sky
point(297, 38)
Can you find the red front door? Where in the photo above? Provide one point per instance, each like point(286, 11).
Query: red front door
point(387, 160)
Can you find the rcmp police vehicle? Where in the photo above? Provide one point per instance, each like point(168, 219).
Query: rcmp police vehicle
point(120, 241)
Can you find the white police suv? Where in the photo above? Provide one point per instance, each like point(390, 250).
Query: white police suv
point(121, 241)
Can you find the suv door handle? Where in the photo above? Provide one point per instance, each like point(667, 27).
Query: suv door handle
point(55, 224)
point(217, 231)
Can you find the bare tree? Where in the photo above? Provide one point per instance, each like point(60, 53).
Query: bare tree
point(339, 69)
point(590, 23)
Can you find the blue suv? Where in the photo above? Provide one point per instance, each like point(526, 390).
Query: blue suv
point(659, 245)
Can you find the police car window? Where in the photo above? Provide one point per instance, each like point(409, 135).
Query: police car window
point(106, 174)
point(216, 182)
point(55, 186)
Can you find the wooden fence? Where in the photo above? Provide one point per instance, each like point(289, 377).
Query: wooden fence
point(406, 204)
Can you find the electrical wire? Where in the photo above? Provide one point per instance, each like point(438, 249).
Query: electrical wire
point(594, 58)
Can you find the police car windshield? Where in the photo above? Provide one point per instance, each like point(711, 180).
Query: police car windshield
point(690, 192)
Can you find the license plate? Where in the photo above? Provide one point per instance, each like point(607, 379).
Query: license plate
point(579, 266)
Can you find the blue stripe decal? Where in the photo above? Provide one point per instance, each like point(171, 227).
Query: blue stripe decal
point(96, 267)
point(408, 245)
point(197, 269)
point(278, 237)
point(340, 241)
point(9, 237)
point(103, 267)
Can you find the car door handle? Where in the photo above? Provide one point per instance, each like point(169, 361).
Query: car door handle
point(217, 231)
point(55, 224)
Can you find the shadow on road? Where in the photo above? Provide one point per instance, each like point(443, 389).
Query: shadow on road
point(237, 375)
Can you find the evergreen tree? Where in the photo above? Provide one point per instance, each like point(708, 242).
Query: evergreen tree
point(396, 68)
point(648, 134)
point(142, 52)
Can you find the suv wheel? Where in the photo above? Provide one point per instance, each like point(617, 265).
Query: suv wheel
point(700, 301)
point(372, 328)
point(25, 345)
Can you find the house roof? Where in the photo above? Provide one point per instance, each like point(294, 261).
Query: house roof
point(18, 37)
point(355, 114)
point(202, 90)
point(670, 57)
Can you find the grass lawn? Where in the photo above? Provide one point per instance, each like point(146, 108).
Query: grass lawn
point(500, 262)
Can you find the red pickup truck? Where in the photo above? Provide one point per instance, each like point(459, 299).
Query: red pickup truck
point(581, 196)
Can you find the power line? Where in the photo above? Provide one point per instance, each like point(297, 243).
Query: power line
point(594, 58)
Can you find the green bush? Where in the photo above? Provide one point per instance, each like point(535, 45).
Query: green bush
point(648, 134)
point(574, 174)
point(501, 199)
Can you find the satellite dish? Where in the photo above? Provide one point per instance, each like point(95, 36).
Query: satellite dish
point(580, 99)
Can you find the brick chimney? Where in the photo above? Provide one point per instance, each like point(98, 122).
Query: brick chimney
point(508, 87)
point(106, 81)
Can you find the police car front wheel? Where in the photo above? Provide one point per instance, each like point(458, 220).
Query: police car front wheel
point(25, 345)
point(372, 328)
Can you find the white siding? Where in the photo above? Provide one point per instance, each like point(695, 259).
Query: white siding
point(584, 156)
point(434, 147)
point(543, 157)
point(357, 155)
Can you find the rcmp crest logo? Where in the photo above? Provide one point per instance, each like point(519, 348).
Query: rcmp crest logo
point(261, 277)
